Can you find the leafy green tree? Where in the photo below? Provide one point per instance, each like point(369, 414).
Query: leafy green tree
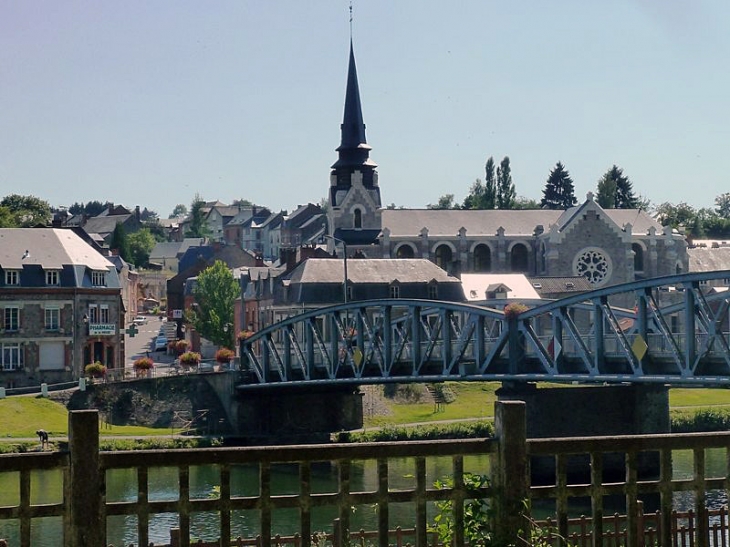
point(28, 211)
point(505, 186)
point(482, 195)
point(617, 185)
point(198, 226)
point(91, 209)
point(215, 293)
point(682, 216)
point(521, 202)
point(444, 202)
point(559, 192)
point(141, 244)
point(180, 210)
point(722, 202)
point(7, 219)
point(120, 242)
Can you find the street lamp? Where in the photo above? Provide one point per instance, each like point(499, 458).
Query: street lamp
point(344, 253)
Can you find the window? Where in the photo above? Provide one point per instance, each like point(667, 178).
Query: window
point(394, 291)
point(52, 277)
point(404, 251)
point(93, 313)
point(104, 313)
point(638, 257)
point(98, 279)
point(482, 258)
point(53, 318)
point(518, 258)
point(12, 318)
point(358, 219)
point(12, 356)
point(443, 257)
point(12, 277)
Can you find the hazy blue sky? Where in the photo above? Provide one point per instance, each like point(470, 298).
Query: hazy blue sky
point(151, 102)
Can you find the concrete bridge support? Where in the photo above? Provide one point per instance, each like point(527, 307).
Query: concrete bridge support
point(292, 415)
point(586, 411)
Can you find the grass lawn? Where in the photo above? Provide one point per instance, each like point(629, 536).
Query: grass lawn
point(476, 400)
point(23, 416)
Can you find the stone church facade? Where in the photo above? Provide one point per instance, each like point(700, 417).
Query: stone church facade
point(607, 246)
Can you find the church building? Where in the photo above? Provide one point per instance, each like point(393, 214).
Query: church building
point(606, 246)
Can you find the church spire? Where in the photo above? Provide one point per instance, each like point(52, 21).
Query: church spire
point(353, 150)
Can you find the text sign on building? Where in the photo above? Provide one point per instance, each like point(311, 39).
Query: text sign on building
point(177, 314)
point(102, 329)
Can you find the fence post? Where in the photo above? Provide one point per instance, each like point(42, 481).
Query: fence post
point(510, 475)
point(85, 525)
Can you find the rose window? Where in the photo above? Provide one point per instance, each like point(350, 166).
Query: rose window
point(594, 265)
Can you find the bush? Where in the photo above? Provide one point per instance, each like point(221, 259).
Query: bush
point(224, 355)
point(95, 370)
point(190, 358)
point(511, 311)
point(245, 335)
point(460, 430)
point(143, 363)
point(706, 419)
point(180, 347)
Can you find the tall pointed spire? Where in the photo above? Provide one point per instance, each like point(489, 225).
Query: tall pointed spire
point(353, 150)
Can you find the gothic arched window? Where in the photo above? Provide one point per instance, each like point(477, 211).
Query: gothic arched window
point(404, 251)
point(518, 258)
point(358, 219)
point(482, 258)
point(443, 257)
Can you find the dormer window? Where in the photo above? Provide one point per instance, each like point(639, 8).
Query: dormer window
point(98, 279)
point(433, 291)
point(394, 291)
point(12, 277)
point(52, 277)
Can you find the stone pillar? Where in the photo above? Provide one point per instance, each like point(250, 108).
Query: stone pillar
point(85, 524)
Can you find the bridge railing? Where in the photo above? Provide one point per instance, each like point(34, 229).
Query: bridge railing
point(569, 470)
point(634, 332)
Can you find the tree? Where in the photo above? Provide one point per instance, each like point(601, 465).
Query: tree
point(148, 215)
point(198, 226)
point(521, 202)
point(28, 211)
point(559, 192)
point(505, 186)
point(444, 202)
point(179, 211)
point(141, 244)
point(723, 205)
point(679, 216)
point(614, 184)
point(91, 209)
point(482, 196)
point(215, 293)
point(120, 242)
point(7, 219)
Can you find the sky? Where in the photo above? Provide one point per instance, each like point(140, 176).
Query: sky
point(152, 103)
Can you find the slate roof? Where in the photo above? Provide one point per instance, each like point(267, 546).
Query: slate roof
point(104, 224)
point(50, 248)
point(448, 222)
point(707, 259)
point(560, 285)
point(363, 270)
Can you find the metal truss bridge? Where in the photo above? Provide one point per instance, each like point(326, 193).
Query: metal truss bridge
point(670, 330)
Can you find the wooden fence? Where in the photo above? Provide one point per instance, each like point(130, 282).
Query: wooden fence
point(84, 500)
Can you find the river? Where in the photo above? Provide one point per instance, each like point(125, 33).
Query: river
point(121, 484)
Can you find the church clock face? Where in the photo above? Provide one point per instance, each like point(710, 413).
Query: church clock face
point(593, 264)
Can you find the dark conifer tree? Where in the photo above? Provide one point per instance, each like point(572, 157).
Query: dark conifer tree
point(623, 195)
point(559, 192)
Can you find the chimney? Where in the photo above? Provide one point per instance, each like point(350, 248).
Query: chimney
point(137, 214)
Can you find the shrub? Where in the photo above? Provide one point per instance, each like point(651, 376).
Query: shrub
point(190, 358)
point(143, 363)
point(224, 355)
point(95, 370)
point(245, 335)
point(181, 346)
point(511, 311)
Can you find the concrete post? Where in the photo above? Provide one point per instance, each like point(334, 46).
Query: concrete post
point(85, 525)
point(510, 475)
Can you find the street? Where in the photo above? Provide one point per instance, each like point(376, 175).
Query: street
point(141, 345)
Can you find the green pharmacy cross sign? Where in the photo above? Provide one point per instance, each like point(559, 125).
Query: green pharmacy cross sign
point(132, 330)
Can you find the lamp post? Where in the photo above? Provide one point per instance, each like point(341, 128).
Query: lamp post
point(344, 253)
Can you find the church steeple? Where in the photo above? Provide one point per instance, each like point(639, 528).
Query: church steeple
point(354, 150)
point(354, 202)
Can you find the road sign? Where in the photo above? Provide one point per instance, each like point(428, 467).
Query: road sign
point(177, 314)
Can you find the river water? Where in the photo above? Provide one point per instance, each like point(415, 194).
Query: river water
point(121, 485)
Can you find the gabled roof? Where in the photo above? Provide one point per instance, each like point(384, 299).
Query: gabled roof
point(476, 286)
point(50, 248)
point(104, 224)
point(560, 285)
point(365, 270)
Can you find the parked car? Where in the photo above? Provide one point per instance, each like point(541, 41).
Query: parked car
point(140, 320)
point(160, 343)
